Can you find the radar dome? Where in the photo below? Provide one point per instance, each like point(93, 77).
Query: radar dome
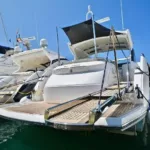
point(43, 43)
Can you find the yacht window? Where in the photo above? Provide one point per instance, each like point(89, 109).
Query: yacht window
point(55, 60)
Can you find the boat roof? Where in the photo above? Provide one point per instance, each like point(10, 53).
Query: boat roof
point(81, 39)
point(83, 31)
point(4, 49)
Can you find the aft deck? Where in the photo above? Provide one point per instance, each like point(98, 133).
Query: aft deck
point(31, 108)
point(29, 111)
point(75, 114)
point(76, 111)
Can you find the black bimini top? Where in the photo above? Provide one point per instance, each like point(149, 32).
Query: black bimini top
point(4, 49)
point(84, 31)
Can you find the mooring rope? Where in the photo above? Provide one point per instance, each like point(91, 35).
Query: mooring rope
point(103, 79)
point(137, 88)
point(115, 55)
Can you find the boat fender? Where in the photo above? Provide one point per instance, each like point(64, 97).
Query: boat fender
point(25, 99)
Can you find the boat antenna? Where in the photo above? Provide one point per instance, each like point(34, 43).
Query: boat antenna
point(6, 36)
point(36, 27)
point(93, 26)
point(122, 19)
point(58, 46)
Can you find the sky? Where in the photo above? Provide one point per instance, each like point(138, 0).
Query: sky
point(30, 16)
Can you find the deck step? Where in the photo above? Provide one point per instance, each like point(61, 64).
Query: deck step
point(110, 91)
point(117, 110)
point(116, 87)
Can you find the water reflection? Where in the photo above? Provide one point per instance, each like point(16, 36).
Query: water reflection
point(8, 129)
point(29, 137)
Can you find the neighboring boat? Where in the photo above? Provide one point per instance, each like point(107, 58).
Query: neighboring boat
point(31, 66)
point(6, 63)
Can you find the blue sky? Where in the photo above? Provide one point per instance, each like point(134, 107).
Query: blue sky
point(20, 14)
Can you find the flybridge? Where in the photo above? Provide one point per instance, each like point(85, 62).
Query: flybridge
point(89, 37)
point(81, 38)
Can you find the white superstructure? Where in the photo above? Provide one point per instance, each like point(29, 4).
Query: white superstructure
point(84, 75)
point(78, 79)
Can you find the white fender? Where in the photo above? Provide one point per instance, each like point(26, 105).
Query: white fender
point(38, 94)
point(24, 100)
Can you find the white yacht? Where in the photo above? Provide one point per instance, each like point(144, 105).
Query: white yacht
point(31, 64)
point(120, 108)
point(103, 94)
point(6, 63)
